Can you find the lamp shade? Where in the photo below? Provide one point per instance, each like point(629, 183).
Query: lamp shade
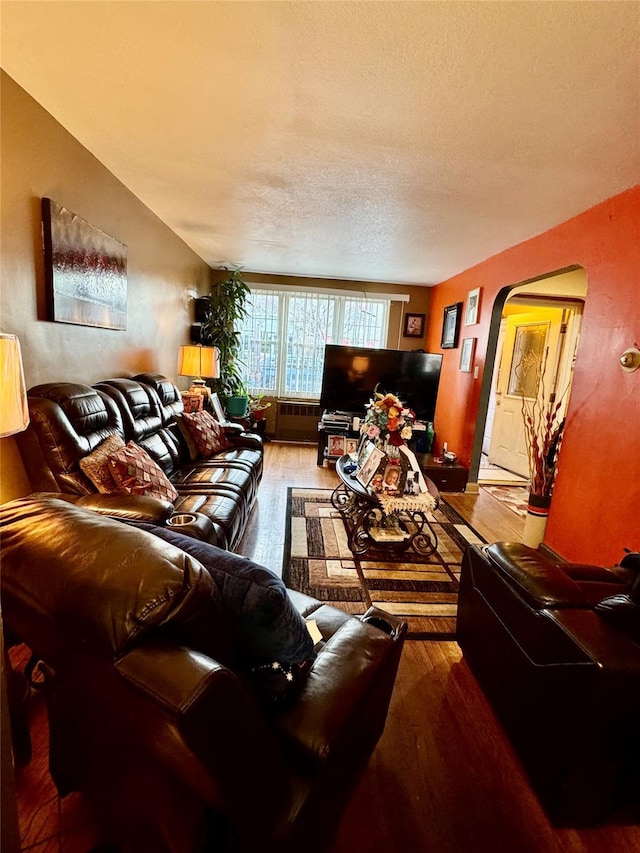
point(200, 362)
point(14, 412)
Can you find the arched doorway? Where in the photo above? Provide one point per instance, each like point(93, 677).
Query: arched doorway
point(553, 299)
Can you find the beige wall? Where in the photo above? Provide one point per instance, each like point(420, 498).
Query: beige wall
point(40, 158)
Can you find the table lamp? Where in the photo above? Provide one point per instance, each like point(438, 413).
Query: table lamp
point(14, 412)
point(200, 363)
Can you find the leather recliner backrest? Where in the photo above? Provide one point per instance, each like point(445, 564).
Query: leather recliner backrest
point(168, 395)
point(144, 424)
point(67, 421)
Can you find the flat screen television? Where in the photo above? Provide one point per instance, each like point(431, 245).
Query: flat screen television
point(351, 374)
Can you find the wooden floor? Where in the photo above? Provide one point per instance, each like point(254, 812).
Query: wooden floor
point(443, 777)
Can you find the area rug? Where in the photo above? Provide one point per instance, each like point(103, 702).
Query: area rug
point(515, 497)
point(421, 590)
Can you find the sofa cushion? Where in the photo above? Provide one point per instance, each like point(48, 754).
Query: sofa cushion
point(268, 628)
point(206, 432)
point(96, 465)
point(135, 473)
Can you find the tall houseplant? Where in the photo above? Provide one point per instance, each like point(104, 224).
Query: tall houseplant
point(225, 306)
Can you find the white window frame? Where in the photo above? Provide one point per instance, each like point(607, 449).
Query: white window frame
point(334, 335)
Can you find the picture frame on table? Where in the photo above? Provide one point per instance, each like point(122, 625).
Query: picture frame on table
point(414, 325)
point(473, 307)
point(375, 460)
point(466, 354)
point(335, 445)
point(451, 326)
point(351, 446)
point(218, 410)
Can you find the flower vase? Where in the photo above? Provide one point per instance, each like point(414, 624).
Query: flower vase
point(536, 519)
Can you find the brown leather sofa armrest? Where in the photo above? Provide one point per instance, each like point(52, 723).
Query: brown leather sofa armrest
point(611, 649)
point(249, 440)
point(132, 507)
point(538, 581)
point(346, 693)
point(217, 720)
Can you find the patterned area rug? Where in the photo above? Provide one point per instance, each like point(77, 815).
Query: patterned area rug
point(515, 497)
point(421, 590)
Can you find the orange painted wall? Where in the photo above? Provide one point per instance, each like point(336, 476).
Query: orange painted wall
point(594, 512)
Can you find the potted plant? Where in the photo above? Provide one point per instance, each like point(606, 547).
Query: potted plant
point(257, 408)
point(224, 306)
point(543, 428)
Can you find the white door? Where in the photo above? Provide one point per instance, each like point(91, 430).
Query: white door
point(525, 333)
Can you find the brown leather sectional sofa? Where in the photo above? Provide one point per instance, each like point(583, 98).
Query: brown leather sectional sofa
point(70, 420)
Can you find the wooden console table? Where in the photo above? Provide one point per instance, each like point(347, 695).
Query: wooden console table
point(362, 512)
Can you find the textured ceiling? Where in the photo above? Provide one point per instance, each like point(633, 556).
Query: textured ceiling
point(386, 141)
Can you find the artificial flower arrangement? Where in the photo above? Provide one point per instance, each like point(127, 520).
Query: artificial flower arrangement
point(387, 420)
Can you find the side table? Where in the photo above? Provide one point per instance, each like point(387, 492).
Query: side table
point(447, 477)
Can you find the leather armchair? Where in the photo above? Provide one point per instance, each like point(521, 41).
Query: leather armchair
point(154, 708)
point(556, 649)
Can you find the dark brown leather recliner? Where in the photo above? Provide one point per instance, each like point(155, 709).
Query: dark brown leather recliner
point(555, 647)
point(188, 701)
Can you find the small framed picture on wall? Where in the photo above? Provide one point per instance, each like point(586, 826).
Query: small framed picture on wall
point(466, 354)
point(451, 326)
point(414, 325)
point(473, 307)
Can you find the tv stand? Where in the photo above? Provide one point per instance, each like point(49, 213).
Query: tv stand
point(334, 424)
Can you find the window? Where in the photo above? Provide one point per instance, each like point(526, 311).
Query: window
point(283, 336)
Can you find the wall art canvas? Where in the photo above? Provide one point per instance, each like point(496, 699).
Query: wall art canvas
point(85, 269)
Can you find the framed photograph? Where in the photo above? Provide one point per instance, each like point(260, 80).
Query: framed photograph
point(351, 446)
point(451, 326)
point(335, 445)
point(85, 271)
point(413, 325)
point(466, 354)
point(473, 306)
point(218, 411)
point(375, 460)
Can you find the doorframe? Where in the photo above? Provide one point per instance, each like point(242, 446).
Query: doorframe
point(490, 362)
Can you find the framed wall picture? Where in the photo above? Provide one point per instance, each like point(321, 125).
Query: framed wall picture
point(85, 271)
point(466, 354)
point(413, 325)
point(451, 326)
point(473, 307)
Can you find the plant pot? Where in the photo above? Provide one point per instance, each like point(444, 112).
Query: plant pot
point(259, 413)
point(237, 407)
point(535, 522)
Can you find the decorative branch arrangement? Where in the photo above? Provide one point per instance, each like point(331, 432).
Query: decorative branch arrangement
point(543, 425)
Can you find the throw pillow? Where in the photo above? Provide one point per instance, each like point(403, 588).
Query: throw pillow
point(135, 473)
point(266, 627)
point(96, 464)
point(206, 432)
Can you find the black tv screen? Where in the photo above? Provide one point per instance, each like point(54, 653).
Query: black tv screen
point(351, 375)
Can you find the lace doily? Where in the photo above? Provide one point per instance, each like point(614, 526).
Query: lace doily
point(417, 503)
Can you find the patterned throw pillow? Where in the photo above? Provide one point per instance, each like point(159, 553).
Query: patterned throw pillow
point(96, 464)
point(135, 473)
point(206, 432)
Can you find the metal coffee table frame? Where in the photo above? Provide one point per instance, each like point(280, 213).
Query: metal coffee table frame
point(361, 510)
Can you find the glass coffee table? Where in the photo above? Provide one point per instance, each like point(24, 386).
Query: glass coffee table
point(379, 521)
